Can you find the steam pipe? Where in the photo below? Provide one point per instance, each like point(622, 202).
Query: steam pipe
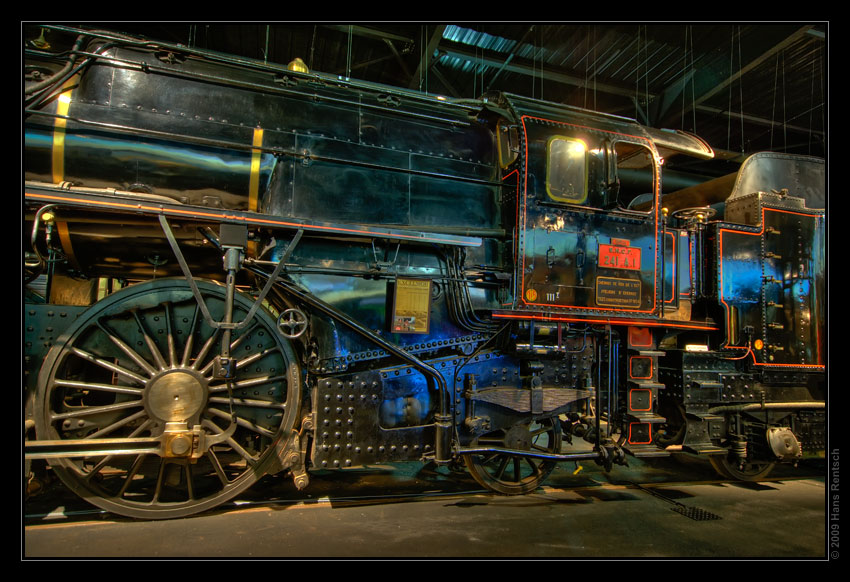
point(68, 66)
point(767, 406)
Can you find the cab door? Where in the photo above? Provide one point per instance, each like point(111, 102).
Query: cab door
point(588, 220)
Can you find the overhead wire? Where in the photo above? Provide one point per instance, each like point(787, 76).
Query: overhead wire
point(773, 111)
point(741, 89)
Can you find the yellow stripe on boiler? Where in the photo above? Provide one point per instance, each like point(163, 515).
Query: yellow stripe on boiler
point(62, 107)
point(256, 158)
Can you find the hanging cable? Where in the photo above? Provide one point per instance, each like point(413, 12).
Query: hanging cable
point(729, 108)
point(646, 68)
point(637, 75)
point(784, 113)
point(773, 112)
point(348, 56)
point(312, 48)
point(586, 68)
point(741, 90)
point(811, 107)
point(822, 98)
point(542, 57)
point(684, 77)
point(595, 105)
point(693, 83)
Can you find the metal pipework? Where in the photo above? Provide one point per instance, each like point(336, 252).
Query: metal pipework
point(435, 379)
point(184, 266)
point(767, 406)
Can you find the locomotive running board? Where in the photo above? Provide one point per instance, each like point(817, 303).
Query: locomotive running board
point(156, 205)
point(556, 317)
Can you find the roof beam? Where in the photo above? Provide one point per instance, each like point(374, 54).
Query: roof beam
point(717, 87)
point(489, 58)
point(369, 33)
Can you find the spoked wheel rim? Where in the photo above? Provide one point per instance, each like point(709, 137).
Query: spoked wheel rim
point(143, 357)
point(751, 470)
point(511, 474)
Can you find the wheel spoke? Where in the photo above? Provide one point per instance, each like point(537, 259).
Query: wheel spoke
point(102, 463)
point(255, 357)
point(539, 431)
point(131, 474)
point(157, 356)
point(99, 387)
point(156, 368)
point(502, 466)
point(234, 445)
point(172, 348)
point(108, 365)
point(503, 473)
point(91, 410)
point(252, 383)
point(124, 347)
point(190, 338)
point(202, 355)
point(190, 491)
point(238, 341)
point(119, 424)
point(248, 403)
point(242, 422)
point(219, 471)
point(160, 479)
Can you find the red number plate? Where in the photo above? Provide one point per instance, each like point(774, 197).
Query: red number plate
point(618, 257)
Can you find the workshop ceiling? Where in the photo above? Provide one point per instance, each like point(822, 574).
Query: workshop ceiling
point(741, 87)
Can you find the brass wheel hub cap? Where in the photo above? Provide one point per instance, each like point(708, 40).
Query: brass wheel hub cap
point(176, 396)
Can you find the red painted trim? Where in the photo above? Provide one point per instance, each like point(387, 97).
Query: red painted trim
point(690, 272)
point(632, 408)
point(673, 274)
point(631, 442)
point(634, 337)
point(726, 305)
point(651, 148)
point(632, 376)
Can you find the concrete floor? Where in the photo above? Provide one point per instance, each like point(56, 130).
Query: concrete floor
point(411, 511)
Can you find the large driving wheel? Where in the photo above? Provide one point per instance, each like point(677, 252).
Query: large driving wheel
point(513, 474)
point(143, 358)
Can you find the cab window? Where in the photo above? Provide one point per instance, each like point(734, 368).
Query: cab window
point(566, 170)
point(635, 186)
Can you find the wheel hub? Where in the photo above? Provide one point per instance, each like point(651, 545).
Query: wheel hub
point(139, 366)
point(518, 437)
point(176, 395)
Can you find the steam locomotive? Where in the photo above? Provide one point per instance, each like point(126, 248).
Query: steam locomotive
point(235, 269)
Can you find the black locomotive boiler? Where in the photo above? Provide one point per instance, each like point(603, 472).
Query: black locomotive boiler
point(235, 269)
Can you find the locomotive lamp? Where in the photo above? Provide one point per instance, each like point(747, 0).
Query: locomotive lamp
point(298, 66)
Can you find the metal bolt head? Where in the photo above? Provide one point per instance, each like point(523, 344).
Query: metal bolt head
point(180, 445)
